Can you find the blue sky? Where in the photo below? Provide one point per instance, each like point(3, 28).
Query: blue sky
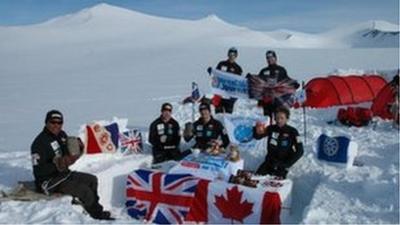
point(302, 15)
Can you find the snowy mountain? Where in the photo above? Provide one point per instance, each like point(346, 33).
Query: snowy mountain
point(109, 22)
point(378, 34)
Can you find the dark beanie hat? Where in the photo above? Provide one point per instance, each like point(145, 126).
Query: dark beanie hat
point(54, 114)
point(204, 106)
point(270, 53)
point(166, 106)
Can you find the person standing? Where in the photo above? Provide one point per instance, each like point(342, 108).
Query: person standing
point(273, 74)
point(50, 161)
point(230, 66)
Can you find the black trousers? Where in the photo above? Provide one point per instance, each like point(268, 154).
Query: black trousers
point(170, 154)
point(165, 155)
point(268, 167)
point(84, 187)
point(225, 105)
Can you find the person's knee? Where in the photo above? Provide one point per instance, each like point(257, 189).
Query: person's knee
point(159, 157)
point(93, 180)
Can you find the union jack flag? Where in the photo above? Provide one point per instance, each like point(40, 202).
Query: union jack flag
point(270, 90)
point(160, 198)
point(131, 141)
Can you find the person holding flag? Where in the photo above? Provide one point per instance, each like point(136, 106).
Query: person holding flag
point(275, 74)
point(223, 105)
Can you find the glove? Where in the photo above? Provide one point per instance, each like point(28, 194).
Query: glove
point(248, 74)
point(60, 163)
point(70, 159)
point(281, 172)
point(209, 70)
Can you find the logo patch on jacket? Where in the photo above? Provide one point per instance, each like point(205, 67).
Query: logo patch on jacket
point(54, 145)
point(35, 157)
point(160, 129)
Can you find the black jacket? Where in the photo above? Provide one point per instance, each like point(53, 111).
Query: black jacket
point(275, 72)
point(205, 132)
point(43, 150)
point(229, 67)
point(284, 145)
point(170, 130)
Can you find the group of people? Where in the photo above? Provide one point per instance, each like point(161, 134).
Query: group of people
point(273, 73)
point(51, 158)
point(284, 146)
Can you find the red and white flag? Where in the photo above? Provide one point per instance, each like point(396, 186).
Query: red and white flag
point(101, 139)
point(220, 202)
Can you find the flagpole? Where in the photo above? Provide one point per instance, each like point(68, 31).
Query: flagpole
point(193, 103)
point(304, 117)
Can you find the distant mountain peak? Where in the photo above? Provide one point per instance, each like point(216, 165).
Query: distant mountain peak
point(104, 8)
point(383, 26)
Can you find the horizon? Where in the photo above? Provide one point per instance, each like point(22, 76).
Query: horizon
point(330, 16)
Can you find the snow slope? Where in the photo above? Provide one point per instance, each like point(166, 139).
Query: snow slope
point(107, 61)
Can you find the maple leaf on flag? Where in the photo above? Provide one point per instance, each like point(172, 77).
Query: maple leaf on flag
point(232, 207)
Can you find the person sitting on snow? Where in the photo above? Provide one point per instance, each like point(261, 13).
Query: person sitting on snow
point(51, 159)
point(165, 136)
point(274, 74)
point(207, 131)
point(230, 66)
point(284, 145)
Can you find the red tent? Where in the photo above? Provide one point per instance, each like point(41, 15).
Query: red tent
point(381, 105)
point(342, 90)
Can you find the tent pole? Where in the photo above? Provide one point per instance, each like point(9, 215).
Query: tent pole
point(304, 117)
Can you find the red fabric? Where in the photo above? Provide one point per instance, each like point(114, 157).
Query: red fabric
point(345, 94)
point(199, 210)
point(381, 105)
point(92, 144)
point(216, 100)
point(342, 115)
point(342, 90)
point(271, 209)
point(198, 213)
point(355, 116)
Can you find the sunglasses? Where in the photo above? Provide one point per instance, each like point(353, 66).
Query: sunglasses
point(167, 109)
point(56, 122)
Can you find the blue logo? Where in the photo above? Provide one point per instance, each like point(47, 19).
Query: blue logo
point(243, 133)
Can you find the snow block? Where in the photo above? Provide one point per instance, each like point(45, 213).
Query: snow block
point(338, 149)
point(157, 197)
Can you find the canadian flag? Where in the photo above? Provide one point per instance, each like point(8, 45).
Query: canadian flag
point(220, 202)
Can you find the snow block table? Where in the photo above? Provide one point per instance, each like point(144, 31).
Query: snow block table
point(207, 166)
point(157, 197)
